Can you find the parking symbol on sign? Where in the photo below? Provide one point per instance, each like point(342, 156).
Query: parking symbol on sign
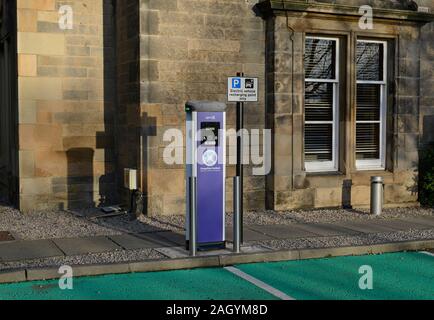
point(236, 83)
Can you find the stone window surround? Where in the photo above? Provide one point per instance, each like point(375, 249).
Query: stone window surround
point(267, 8)
point(347, 101)
point(347, 106)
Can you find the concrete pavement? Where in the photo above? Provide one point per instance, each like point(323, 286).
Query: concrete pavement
point(39, 249)
point(171, 245)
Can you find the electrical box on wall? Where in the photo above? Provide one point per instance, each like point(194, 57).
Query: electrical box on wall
point(130, 179)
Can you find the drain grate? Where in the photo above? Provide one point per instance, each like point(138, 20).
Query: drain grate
point(6, 236)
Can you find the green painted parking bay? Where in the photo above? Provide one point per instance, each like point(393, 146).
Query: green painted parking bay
point(395, 276)
point(199, 284)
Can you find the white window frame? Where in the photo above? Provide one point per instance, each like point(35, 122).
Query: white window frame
point(328, 166)
point(377, 164)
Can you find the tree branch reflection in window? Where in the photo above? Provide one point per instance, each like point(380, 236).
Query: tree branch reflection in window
point(370, 61)
point(319, 59)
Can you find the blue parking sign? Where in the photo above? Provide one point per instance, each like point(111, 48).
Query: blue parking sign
point(236, 83)
point(242, 89)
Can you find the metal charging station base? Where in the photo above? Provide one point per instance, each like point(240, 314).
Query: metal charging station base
point(207, 246)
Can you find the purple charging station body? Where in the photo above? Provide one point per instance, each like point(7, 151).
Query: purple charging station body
point(206, 160)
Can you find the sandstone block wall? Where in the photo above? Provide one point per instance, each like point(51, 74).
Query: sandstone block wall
point(97, 99)
point(65, 85)
point(188, 48)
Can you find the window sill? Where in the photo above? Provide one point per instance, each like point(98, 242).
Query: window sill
point(370, 169)
point(372, 172)
point(325, 173)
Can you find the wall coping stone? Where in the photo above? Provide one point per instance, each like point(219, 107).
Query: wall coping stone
point(267, 8)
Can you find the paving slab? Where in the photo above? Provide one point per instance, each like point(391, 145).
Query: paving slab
point(180, 252)
point(327, 229)
point(170, 237)
point(28, 250)
point(140, 241)
point(248, 234)
point(79, 246)
point(365, 227)
point(399, 225)
point(282, 231)
point(426, 221)
point(224, 260)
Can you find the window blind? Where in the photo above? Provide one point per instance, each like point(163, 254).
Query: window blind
point(320, 103)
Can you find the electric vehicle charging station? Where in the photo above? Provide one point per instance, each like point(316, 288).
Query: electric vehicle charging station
point(206, 174)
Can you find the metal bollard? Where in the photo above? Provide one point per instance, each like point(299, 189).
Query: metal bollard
point(237, 215)
point(377, 194)
point(193, 217)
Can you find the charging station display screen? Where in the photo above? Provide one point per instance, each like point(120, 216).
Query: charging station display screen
point(210, 133)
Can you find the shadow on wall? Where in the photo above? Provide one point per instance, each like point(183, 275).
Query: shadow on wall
point(80, 178)
point(105, 140)
point(148, 129)
point(426, 181)
point(83, 189)
point(128, 92)
point(346, 194)
point(9, 184)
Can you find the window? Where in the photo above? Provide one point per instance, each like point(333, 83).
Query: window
point(371, 105)
point(321, 104)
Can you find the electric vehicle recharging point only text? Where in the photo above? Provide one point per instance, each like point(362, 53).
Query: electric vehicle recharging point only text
point(206, 165)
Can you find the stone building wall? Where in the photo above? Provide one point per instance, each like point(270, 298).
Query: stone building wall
point(86, 113)
point(65, 84)
point(188, 49)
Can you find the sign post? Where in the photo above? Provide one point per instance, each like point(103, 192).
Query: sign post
point(241, 90)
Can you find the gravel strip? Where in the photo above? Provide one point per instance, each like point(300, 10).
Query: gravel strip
point(329, 215)
point(343, 241)
point(61, 224)
point(177, 222)
point(96, 258)
point(49, 225)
